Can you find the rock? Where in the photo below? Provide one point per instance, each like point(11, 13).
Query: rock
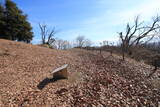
point(61, 72)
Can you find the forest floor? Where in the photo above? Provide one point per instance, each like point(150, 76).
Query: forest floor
point(94, 80)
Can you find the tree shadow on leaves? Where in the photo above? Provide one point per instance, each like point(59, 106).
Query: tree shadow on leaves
point(46, 81)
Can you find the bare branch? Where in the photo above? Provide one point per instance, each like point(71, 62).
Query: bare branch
point(135, 34)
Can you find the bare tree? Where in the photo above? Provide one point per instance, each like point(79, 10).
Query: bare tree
point(104, 43)
point(80, 40)
point(66, 44)
point(47, 35)
point(87, 43)
point(62, 44)
point(137, 33)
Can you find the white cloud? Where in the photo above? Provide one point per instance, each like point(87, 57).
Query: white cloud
point(111, 20)
point(146, 10)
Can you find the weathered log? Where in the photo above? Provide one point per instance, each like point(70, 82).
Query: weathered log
point(61, 72)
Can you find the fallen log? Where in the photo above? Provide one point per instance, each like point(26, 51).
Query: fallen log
point(61, 72)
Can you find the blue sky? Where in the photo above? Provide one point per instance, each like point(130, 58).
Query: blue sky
point(96, 19)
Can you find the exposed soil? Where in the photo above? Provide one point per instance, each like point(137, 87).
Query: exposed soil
point(94, 80)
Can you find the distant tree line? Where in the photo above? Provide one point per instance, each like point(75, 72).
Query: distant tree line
point(153, 46)
point(14, 24)
point(48, 39)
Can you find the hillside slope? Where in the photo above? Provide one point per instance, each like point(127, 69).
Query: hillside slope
point(93, 80)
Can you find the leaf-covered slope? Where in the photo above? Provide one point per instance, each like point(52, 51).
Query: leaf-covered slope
point(93, 80)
